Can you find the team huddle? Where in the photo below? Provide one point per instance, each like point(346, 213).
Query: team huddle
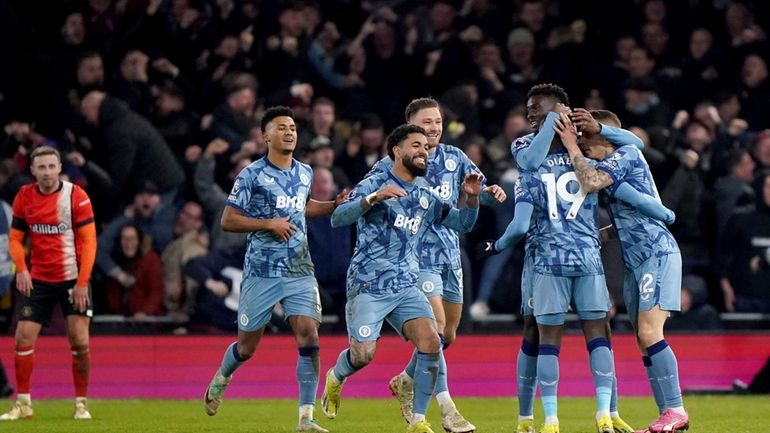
point(406, 270)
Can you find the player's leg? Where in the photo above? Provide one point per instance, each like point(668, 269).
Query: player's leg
point(451, 419)
point(659, 283)
point(78, 336)
point(364, 315)
point(423, 334)
point(526, 360)
point(34, 312)
point(402, 385)
point(255, 307)
point(302, 308)
point(618, 423)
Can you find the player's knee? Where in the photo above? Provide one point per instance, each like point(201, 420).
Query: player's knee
point(648, 335)
point(246, 351)
point(429, 343)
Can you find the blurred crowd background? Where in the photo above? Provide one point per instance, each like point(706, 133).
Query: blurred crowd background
point(155, 105)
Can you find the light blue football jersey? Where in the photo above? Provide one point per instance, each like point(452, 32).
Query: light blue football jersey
point(264, 191)
point(563, 237)
point(386, 255)
point(641, 237)
point(447, 167)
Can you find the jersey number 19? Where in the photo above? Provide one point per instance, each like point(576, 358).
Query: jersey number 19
point(558, 187)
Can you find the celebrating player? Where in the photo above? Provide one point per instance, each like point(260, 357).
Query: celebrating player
point(269, 201)
point(393, 210)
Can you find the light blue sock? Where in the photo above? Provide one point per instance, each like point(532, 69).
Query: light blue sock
point(656, 391)
point(231, 361)
point(441, 379)
point(344, 366)
point(548, 377)
point(603, 371)
point(425, 380)
point(666, 372)
point(409, 369)
point(526, 377)
point(614, 397)
point(308, 364)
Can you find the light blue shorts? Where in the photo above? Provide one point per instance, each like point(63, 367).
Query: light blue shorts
point(447, 283)
point(365, 312)
point(552, 296)
point(527, 301)
point(298, 296)
point(657, 281)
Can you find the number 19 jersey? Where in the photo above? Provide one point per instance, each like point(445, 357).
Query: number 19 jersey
point(563, 237)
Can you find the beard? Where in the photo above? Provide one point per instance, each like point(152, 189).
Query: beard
point(414, 169)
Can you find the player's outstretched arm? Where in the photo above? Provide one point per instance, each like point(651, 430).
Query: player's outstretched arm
point(315, 208)
point(621, 137)
point(492, 194)
point(530, 157)
point(463, 219)
point(518, 226)
point(645, 203)
point(357, 204)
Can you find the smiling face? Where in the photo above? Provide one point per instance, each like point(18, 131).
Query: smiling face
point(430, 120)
point(538, 106)
point(281, 135)
point(413, 152)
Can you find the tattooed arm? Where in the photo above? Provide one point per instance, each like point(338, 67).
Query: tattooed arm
point(590, 178)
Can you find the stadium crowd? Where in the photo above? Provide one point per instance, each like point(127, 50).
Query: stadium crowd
point(155, 105)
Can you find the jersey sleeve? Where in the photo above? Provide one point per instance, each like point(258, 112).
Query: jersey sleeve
point(381, 166)
point(350, 209)
point(618, 164)
point(520, 192)
point(242, 191)
point(82, 210)
point(19, 221)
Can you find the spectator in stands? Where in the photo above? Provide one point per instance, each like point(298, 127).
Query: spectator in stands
point(176, 122)
point(286, 53)
point(695, 314)
point(522, 71)
point(499, 148)
point(755, 92)
point(760, 150)
point(132, 84)
point(364, 148)
point(321, 125)
point(135, 258)
point(330, 269)
point(218, 274)
point(134, 152)
point(191, 242)
point(154, 219)
point(321, 155)
point(743, 239)
point(233, 120)
point(212, 196)
point(733, 191)
point(447, 57)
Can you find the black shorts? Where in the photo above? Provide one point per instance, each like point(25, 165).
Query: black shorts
point(38, 307)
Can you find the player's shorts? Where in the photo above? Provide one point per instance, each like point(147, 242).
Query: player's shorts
point(38, 307)
point(527, 290)
point(554, 294)
point(657, 281)
point(365, 312)
point(447, 283)
point(298, 296)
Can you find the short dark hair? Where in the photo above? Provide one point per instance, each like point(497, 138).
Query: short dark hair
point(417, 105)
point(42, 151)
point(323, 100)
point(399, 134)
point(549, 90)
point(606, 116)
point(733, 158)
point(273, 112)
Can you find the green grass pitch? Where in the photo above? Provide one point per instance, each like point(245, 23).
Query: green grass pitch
point(717, 414)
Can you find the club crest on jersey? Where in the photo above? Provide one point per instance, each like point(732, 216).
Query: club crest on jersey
point(450, 165)
point(424, 202)
point(304, 179)
point(411, 224)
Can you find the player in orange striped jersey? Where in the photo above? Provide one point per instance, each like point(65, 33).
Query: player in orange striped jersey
point(58, 218)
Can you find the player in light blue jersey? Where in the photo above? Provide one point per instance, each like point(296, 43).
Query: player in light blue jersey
point(563, 264)
point(393, 210)
point(653, 263)
point(441, 277)
point(270, 201)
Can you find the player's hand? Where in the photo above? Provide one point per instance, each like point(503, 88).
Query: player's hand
point(567, 132)
point(472, 184)
point(754, 264)
point(497, 192)
point(340, 198)
point(585, 122)
point(24, 283)
point(282, 228)
point(217, 287)
point(389, 191)
point(486, 248)
point(216, 147)
point(561, 108)
point(79, 297)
